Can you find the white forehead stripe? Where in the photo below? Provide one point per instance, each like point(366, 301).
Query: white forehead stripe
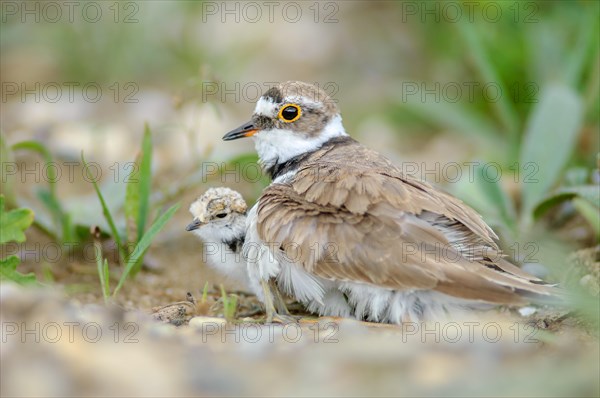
point(265, 107)
point(303, 101)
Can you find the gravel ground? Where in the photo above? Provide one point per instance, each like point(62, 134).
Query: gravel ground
point(55, 345)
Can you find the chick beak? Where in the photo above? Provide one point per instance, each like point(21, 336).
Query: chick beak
point(194, 225)
point(247, 129)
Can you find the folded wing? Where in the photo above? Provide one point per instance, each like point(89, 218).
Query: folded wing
point(349, 214)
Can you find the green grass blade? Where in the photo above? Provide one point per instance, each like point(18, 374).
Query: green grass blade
point(205, 293)
point(60, 218)
point(106, 288)
point(144, 243)
point(102, 266)
point(145, 181)
point(105, 211)
point(504, 107)
point(68, 229)
point(132, 202)
point(581, 51)
point(495, 196)
point(8, 183)
point(229, 304)
point(549, 140)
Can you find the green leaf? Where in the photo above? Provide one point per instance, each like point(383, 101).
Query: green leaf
point(494, 194)
point(132, 201)
point(8, 270)
point(504, 108)
point(106, 287)
point(229, 304)
point(145, 182)
point(590, 212)
point(589, 193)
point(13, 223)
point(8, 180)
point(105, 210)
point(485, 194)
point(204, 292)
point(550, 136)
point(61, 218)
point(103, 272)
point(581, 51)
point(144, 243)
point(12, 227)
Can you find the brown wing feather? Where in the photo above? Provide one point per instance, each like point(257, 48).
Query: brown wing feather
point(333, 205)
point(350, 175)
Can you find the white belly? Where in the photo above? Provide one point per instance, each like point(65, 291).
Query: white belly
point(376, 304)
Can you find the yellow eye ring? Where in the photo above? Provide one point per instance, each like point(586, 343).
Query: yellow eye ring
point(289, 113)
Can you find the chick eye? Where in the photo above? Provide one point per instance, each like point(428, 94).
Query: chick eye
point(290, 113)
point(221, 215)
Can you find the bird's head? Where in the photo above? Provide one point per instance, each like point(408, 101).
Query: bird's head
point(290, 119)
point(219, 215)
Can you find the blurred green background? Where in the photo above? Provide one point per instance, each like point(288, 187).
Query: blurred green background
point(507, 91)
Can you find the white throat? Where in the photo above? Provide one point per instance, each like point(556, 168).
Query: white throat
point(220, 256)
point(212, 233)
point(279, 145)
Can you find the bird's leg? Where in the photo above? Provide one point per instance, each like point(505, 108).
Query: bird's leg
point(268, 299)
point(279, 302)
point(271, 297)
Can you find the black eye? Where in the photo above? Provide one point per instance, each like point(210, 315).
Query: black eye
point(290, 113)
point(221, 215)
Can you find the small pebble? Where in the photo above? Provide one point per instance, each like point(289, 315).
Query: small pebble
point(200, 321)
point(527, 311)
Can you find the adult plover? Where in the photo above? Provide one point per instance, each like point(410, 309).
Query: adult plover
point(339, 213)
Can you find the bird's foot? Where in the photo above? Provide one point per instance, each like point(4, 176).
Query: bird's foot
point(282, 319)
